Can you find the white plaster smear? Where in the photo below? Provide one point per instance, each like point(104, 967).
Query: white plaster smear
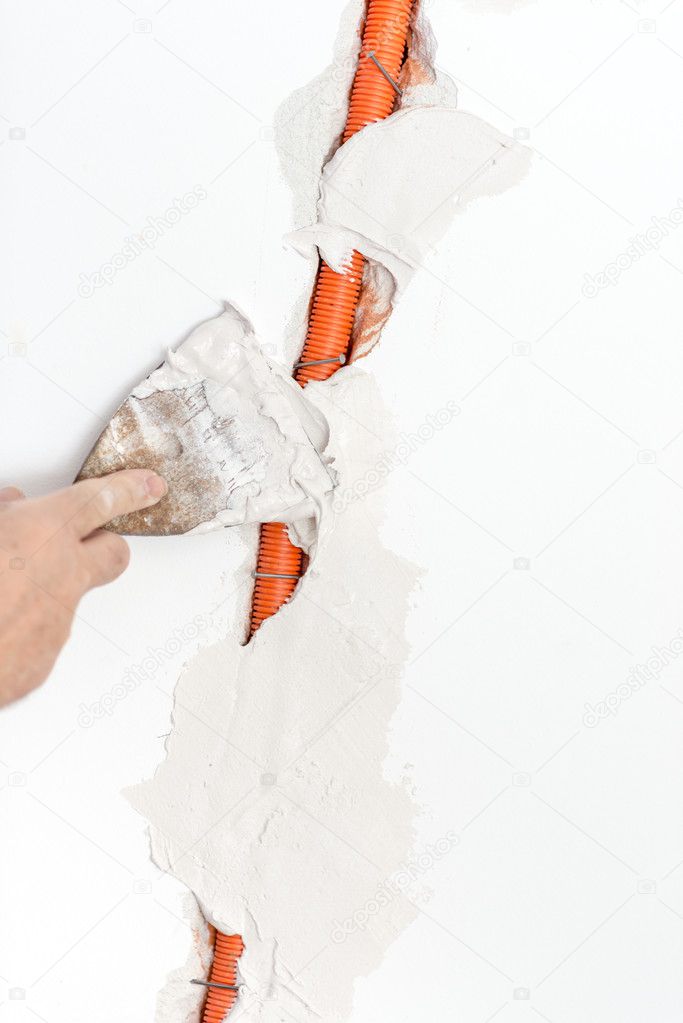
point(392, 191)
point(273, 805)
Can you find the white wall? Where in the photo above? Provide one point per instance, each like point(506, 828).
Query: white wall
point(548, 514)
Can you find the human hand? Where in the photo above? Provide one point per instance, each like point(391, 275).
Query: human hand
point(52, 551)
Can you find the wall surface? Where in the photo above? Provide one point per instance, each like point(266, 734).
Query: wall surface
point(543, 708)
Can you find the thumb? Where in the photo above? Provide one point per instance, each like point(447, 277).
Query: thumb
point(8, 494)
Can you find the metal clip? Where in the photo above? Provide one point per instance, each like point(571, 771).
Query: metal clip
point(274, 575)
point(392, 83)
point(320, 362)
point(209, 983)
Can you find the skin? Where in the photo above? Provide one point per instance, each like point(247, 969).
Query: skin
point(52, 551)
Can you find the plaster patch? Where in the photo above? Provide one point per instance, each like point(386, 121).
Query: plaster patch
point(393, 190)
point(272, 804)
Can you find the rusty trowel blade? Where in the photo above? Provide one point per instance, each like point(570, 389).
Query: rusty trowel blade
point(175, 433)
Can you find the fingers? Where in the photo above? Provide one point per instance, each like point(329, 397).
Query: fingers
point(106, 557)
point(8, 494)
point(92, 503)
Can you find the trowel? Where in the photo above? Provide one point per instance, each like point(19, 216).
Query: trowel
point(228, 429)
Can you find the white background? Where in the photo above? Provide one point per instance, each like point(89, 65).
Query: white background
point(548, 514)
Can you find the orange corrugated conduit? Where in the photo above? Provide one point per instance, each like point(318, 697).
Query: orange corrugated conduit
point(220, 1000)
point(333, 310)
